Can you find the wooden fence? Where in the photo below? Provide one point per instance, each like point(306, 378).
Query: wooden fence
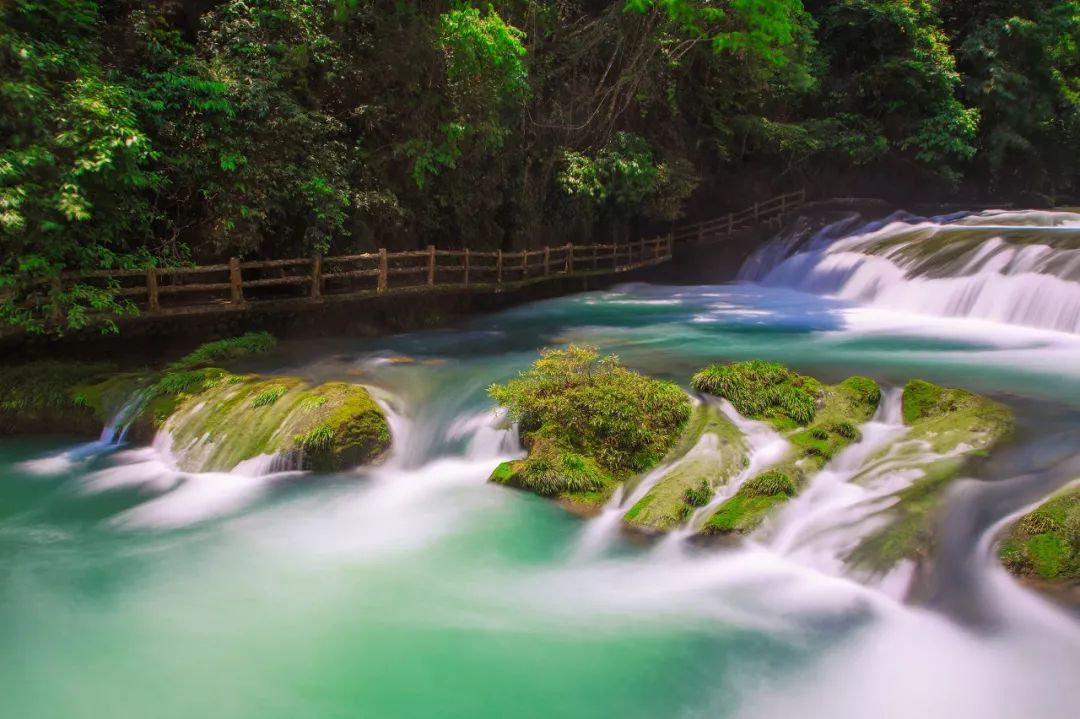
point(769, 212)
point(239, 284)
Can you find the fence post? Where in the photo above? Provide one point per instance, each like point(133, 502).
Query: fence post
point(236, 282)
point(381, 287)
point(755, 211)
point(524, 265)
point(431, 265)
point(498, 267)
point(466, 263)
point(595, 260)
point(569, 258)
point(701, 233)
point(731, 222)
point(316, 276)
point(547, 260)
point(152, 301)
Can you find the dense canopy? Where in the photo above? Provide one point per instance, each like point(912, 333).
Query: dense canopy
point(168, 131)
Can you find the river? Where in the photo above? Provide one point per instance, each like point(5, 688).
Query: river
point(417, 589)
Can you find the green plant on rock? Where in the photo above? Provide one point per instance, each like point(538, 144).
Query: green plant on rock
point(762, 390)
point(269, 396)
point(319, 439)
point(593, 406)
point(1045, 543)
point(250, 344)
point(698, 496)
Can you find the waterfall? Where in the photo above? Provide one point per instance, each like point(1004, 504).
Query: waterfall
point(1020, 268)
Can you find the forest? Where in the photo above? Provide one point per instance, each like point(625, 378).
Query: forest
point(163, 132)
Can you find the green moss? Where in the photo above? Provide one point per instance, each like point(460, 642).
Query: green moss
point(269, 395)
point(504, 473)
point(360, 430)
point(764, 391)
point(550, 470)
point(921, 399)
point(230, 419)
point(247, 345)
point(709, 452)
point(1045, 542)
point(948, 427)
point(841, 408)
point(56, 397)
point(741, 514)
point(589, 423)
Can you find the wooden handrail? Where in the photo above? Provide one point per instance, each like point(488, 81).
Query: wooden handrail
point(369, 274)
point(717, 228)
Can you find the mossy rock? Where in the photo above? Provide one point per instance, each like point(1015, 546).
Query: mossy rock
point(1044, 544)
point(709, 453)
point(588, 423)
point(839, 410)
point(218, 420)
point(765, 391)
point(754, 501)
point(56, 397)
point(949, 427)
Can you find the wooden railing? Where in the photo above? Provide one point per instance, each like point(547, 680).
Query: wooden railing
point(768, 212)
point(239, 284)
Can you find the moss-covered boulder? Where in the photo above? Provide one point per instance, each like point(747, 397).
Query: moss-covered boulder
point(588, 423)
point(1043, 546)
point(820, 421)
point(217, 420)
point(709, 453)
point(948, 428)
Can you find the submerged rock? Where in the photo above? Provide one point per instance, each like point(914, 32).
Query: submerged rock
point(948, 428)
point(1043, 546)
point(824, 420)
point(588, 423)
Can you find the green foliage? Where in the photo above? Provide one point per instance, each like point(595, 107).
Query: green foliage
point(761, 390)
point(764, 28)
point(891, 84)
point(136, 135)
point(269, 396)
point(1045, 543)
point(319, 439)
point(312, 403)
point(75, 175)
point(593, 406)
point(698, 496)
point(768, 483)
point(249, 344)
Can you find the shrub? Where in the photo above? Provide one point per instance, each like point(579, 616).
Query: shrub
point(698, 496)
point(269, 395)
point(246, 345)
point(761, 389)
point(593, 406)
point(767, 484)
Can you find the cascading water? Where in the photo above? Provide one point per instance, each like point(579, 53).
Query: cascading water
point(1018, 268)
point(416, 588)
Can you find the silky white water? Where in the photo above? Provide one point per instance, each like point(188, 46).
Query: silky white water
point(416, 589)
point(1016, 268)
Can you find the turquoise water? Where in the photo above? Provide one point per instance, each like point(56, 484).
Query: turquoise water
point(416, 589)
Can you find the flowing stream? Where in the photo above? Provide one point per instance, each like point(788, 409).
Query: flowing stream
point(416, 589)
